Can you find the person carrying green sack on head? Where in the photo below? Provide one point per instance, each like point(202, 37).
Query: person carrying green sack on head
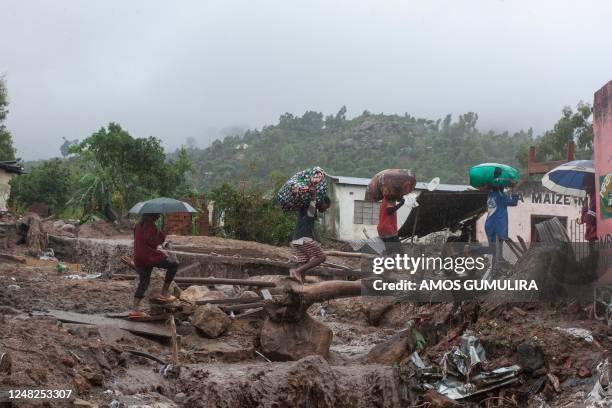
point(494, 177)
point(496, 225)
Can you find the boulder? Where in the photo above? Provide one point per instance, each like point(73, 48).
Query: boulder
point(398, 348)
point(196, 293)
point(287, 341)
point(530, 355)
point(228, 290)
point(69, 228)
point(248, 294)
point(211, 321)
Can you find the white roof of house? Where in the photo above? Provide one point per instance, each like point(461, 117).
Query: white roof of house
point(360, 181)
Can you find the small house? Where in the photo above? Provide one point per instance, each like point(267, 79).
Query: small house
point(8, 169)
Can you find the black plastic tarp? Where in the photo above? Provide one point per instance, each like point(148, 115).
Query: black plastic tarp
point(438, 210)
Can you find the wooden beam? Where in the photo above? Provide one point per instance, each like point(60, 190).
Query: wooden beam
point(227, 301)
point(350, 254)
point(208, 281)
point(246, 306)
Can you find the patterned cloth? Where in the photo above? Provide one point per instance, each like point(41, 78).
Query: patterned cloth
point(294, 193)
point(307, 250)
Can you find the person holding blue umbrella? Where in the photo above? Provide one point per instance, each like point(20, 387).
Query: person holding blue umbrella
point(577, 179)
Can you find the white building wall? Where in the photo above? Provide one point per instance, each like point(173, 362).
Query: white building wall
point(5, 188)
point(340, 217)
point(538, 201)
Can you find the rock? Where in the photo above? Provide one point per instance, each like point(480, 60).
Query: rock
point(13, 287)
point(67, 361)
point(248, 294)
point(83, 331)
point(180, 397)
point(295, 340)
point(398, 348)
point(530, 356)
point(376, 309)
point(94, 378)
point(69, 228)
point(81, 385)
point(211, 320)
point(81, 403)
point(200, 293)
point(58, 224)
point(228, 290)
point(194, 293)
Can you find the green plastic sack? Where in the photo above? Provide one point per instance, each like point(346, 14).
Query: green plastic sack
point(493, 174)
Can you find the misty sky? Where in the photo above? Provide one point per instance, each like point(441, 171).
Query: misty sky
point(184, 69)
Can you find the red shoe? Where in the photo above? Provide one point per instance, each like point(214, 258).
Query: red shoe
point(138, 315)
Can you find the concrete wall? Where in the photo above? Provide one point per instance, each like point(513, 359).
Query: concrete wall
point(5, 189)
point(339, 219)
point(534, 200)
point(602, 126)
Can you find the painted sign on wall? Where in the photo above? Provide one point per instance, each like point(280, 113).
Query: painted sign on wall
point(605, 196)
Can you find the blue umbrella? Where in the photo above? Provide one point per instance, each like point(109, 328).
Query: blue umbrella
point(162, 205)
point(568, 178)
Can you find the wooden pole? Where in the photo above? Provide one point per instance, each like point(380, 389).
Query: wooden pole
point(208, 281)
point(228, 301)
point(246, 306)
point(175, 356)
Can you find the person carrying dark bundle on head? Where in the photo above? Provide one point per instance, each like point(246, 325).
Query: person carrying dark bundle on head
point(308, 251)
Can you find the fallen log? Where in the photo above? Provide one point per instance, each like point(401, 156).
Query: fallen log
point(235, 300)
point(207, 281)
point(350, 254)
point(193, 252)
point(289, 333)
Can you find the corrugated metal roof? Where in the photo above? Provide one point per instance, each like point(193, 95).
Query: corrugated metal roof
point(360, 181)
point(12, 167)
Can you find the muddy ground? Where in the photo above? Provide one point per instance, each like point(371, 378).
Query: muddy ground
point(228, 371)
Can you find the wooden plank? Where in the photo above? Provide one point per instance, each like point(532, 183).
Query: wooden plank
point(349, 254)
point(209, 281)
point(514, 248)
point(134, 327)
point(522, 242)
point(246, 306)
point(235, 300)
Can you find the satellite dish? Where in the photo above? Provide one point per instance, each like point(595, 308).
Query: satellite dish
point(433, 184)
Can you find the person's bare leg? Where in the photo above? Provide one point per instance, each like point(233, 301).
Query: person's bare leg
point(136, 305)
point(293, 273)
point(300, 272)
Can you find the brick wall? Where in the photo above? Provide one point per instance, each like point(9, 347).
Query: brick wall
point(181, 223)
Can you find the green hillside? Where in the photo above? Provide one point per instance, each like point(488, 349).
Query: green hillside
point(358, 147)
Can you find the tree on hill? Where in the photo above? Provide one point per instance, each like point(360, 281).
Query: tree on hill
point(120, 170)
point(7, 151)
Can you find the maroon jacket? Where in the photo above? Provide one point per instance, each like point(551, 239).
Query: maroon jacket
point(146, 240)
point(589, 218)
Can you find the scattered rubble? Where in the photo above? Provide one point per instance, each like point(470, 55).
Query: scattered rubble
point(72, 333)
